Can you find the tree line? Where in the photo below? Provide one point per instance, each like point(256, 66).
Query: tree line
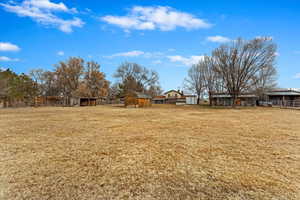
point(76, 78)
point(233, 68)
point(238, 67)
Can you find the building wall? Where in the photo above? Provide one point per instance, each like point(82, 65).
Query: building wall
point(137, 102)
point(283, 99)
point(191, 100)
point(144, 102)
point(173, 94)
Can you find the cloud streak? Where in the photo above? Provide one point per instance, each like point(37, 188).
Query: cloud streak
point(218, 39)
point(6, 46)
point(134, 53)
point(159, 17)
point(60, 53)
point(7, 59)
point(188, 61)
point(45, 12)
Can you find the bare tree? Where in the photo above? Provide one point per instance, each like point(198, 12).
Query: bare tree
point(241, 62)
point(265, 80)
point(154, 90)
point(195, 81)
point(135, 77)
point(69, 76)
point(212, 80)
point(95, 81)
point(50, 86)
point(37, 75)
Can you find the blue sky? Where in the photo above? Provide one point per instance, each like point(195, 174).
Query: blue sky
point(167, 36)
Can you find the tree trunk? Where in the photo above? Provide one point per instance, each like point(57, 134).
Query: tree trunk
point(234, 101)
point(210, 98)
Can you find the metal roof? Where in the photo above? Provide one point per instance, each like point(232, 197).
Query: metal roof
point(142, 95)
point(284, 92)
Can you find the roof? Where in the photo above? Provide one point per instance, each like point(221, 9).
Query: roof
point(142, 95)
point(283, 92)
point(174, 91)
point(190, 95)
point(159, 98)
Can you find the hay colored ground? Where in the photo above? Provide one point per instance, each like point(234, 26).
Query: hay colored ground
point(162, 152)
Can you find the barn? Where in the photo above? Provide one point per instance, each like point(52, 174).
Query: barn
point(225, 99)
point(284, 97)
point(83, 101)
point(49, 101)
point(137, 99)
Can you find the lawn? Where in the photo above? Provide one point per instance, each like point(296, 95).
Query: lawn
point(163, 152)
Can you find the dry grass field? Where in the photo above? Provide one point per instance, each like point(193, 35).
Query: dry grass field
point(163, 152)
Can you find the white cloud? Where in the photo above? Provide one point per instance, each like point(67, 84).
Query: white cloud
point(47, 5)
point(188, 61)
point(218, 39)
point(159, 17)
point(297, 76)
point(127, 54)
point(43, 12)
point(6, 46)
point(7, 59)
point(60, 53)
point(3, 69)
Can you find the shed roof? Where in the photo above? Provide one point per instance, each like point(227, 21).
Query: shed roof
point(142, 95)
point(283, 92)
point(159, 98)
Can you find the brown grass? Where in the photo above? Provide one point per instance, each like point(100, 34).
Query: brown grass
point(163, 152)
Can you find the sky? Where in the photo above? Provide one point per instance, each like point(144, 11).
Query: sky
point(166, 36)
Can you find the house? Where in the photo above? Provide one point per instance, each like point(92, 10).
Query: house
point(284, 97)
point(225, 99)
point(172, 96)
point(175, 97)
point(137, 99)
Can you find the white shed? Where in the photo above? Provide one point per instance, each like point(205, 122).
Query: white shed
point(191, 99)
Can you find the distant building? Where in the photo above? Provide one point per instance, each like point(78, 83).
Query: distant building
point(286, 97)
point(83, 101)
point(173, 94)
point(191, 99)
point(175, 97)
point(225, 99)
point(159, 100)
point(137, 99)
